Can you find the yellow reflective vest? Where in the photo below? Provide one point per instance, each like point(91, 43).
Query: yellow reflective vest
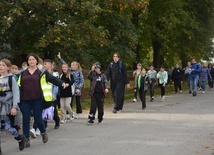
point(45, 86)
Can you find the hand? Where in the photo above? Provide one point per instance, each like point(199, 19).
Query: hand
point(106, 91)
point(64, 85)
point(53, 98)
point(127, 85)
point(93, 68)
point(164, 85)
point(78, 91)
point(135, 90)
point(146, 82)
point(59, 55)
point(13, 111)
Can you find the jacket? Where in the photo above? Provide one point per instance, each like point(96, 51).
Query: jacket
point(138, 82)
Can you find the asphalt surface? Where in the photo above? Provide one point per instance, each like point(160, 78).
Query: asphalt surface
point(181, 125)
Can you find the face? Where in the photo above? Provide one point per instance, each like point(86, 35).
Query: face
point(189, 63)
point(47, 65)
point(74, 66)
point(3, 68)
point(32, 61)
point(115, 58)
point(97, 69)
point(139, 66)
point(176, 65)
point(14, 71)
point(161, 69)
point(65, 68)
point(143, 71)
point(151, 67)
point(193, 60)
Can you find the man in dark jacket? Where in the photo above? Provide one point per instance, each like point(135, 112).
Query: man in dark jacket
point(177, 74)
point(117, 74)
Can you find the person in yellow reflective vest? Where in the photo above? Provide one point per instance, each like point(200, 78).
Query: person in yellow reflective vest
point(34, 89)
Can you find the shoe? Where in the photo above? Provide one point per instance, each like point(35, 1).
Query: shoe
point(68, 116)
point(180, 91)
point(56, 126)
point(38, 133)
point(27, 143)
point(0, 151)
point(90, 121)
point(152, 100)
point(134, 100)
point(77, 116)
point(163, 98)
point(203, 92)
point(32, 133)
point(190, 92)
point(44, 137)
point(100, 122)
point(114, 111)
point(194, 94)
point(63, 121)
point(21, 140)
point(143, 108)
point(71, 116)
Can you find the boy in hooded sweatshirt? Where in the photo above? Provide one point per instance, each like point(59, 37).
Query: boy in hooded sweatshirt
point(9, 99)
point(98, 88)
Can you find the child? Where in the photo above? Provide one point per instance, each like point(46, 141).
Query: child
point(162, 77)
point(135, 74)
point(98, 88)
point(142, 84)
point(65, 94)
point(9, 98)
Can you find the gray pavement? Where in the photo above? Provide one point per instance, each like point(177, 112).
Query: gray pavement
point(182, 125)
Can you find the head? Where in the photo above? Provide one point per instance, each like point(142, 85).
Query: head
point(97, 67)
point(47, 64)
point(76, 66)
point(14, 69)
point(143, 71)
point(151, 67)
point(116, 57)
point(162, 68)
point(204, 64)
point(53, 66)
point(139, 66)
point(193, 61)
point(188, 63)
point(177, 65)
point(24, 65)
point(32, 60)
point(5, 66)
point(65, 69)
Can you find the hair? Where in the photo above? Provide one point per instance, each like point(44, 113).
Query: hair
point(33, 55)
point(40, 61)
point(116, 53)
point(79, 68)
point(8, 63)
point(48, 60)
point(68, 72)
point(24, 63)
point(14, 67)
point(143, 69)
point(139, 64)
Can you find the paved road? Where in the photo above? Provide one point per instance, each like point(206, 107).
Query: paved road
point(182, 125)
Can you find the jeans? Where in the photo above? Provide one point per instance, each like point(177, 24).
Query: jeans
point(152, 88)
point(193, 84)
point(203, 85)
point(36, 107)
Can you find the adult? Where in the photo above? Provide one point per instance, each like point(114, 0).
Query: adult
point(176, 77)
point(34, 89)
point(210, 80)
point(194, 75)
point(117, 74)
point(152, 76)
point(187, 75)
point(76, 70)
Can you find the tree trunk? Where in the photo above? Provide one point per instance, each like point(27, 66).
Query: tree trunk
point(157, 56)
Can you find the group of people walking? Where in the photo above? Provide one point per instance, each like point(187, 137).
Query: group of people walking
point(38, 89)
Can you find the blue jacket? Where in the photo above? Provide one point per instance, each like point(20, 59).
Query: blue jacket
point(196, 69)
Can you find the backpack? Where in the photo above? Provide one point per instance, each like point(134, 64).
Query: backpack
point(120, 66)
point(48, 113)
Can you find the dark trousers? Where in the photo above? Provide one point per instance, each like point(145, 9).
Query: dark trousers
point(36, 107)
point(135, 94)
point(78, 104)
point(152, 88)
point(97, 102)
point(162, 89)
point(142, 94)
point(118, 90)
point(56, 116)
point(177, 84)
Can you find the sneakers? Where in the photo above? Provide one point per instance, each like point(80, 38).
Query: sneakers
point(163, 98)
point(100, 122)
point(77, 116)
point(190, 92)
point(180, 91)
point(27, 142)
point(152, 100)
point(90, 122)
point(57, 125)
point(44, 137)
point(32, 133)
point(114, 111)
point(72, 116)
point(194, 94)
point(134, 100)
point(63, 121)
point(38, 133)
point(21, 140)
point(203, 92)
